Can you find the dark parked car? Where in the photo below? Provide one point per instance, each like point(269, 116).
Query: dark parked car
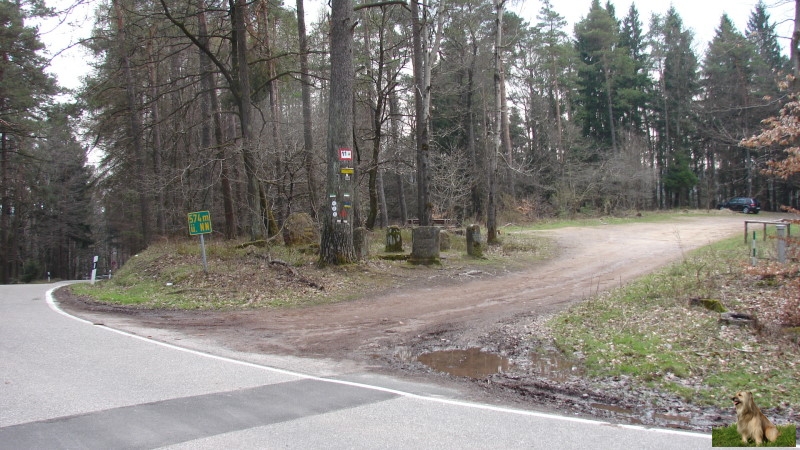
point(746, 205)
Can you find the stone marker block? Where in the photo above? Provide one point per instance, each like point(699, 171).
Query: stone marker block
point(425, 245)
point(474, 241)
point(394, 239)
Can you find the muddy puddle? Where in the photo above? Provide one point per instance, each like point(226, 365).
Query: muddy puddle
point(472, 363)
point(476, 363)
point(636, 416)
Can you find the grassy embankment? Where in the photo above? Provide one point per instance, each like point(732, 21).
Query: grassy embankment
point(649, 331)
point(170, 274)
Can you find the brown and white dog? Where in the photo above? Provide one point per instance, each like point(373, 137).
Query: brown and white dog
point(751, 423)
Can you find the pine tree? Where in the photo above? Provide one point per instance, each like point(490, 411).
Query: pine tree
point(770, 68)
point(761, 32)
point(603, 69)
point(635, 85)
point(674, 111)
point(728, 82)
point(59, 228)
point(556, 56)
point(25, 91)
point(457, 99)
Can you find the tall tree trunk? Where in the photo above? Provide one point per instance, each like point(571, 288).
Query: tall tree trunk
point(242, 97)
point(336, 246)
point(225, 169)
point(401, 197)
point(372, 185)
point(422, 62)
point(5, 209)
point(424, 205)
point(382, 200)
point(664, 151)
point(134, 126)
point(491, 216)
point(557, 101)
point(161, 226)
point(611, 125)
point(394, 112)
point(795, 51)
point(283, 203)
point(377, 103)
point(477, 190)
point(212, 117)
point(308, 139)
point(5, 201)
point(506, 135)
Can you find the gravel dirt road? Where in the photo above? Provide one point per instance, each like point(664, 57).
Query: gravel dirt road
point(497, 313)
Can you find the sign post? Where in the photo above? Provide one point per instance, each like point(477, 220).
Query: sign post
point(341, 200)
point(200, 224)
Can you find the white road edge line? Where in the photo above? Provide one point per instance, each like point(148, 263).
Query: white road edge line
point(54, 306)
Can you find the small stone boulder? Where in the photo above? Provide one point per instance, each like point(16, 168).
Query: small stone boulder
point(710, 304)
point(300, 229)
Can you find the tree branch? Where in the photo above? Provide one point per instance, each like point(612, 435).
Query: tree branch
point(377, 4)
point(181, 26)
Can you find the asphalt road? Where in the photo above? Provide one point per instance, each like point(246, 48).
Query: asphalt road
point(68, 383)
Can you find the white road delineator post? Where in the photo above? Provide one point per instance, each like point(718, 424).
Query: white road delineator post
point(94, 268)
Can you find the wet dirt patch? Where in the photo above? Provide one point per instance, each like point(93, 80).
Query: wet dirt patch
point(619, 411)
point(552, 365)
point(471, 363)
point(643, 416)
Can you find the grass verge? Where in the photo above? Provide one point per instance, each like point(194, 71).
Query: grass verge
point(729, 437)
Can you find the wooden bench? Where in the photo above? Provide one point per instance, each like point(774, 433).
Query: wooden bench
point(765, 223)
point(442, 222)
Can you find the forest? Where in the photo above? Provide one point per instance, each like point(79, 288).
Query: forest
point(456, 110)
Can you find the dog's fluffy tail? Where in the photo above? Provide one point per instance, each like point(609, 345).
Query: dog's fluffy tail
point(771, 433)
